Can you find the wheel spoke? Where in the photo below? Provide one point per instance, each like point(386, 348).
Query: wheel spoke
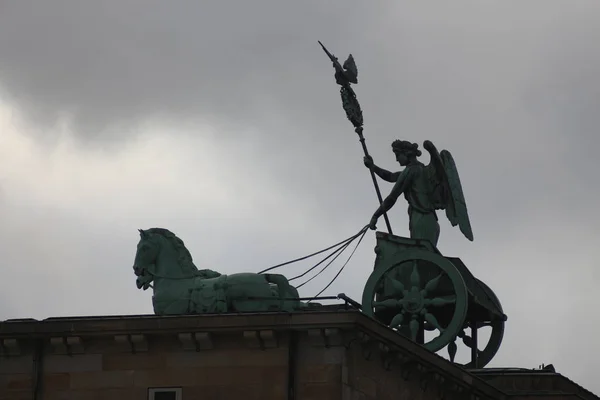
point(397, 321)
point(432, 284)
point(433, 321)
point(389, 303)
point(468, 341)
point(440, 301)
point(428, 327)
point(379, 287)
point(397, 287)
point(414, 329)
point(452, 348)
point(415, 279)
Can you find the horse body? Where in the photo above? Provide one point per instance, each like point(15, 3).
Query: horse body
point(180, 288)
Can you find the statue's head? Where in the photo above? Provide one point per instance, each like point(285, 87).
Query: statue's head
point(405, 151)
point(145, 259)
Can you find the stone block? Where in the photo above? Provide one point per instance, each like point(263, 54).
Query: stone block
point(321, 355)
point(246, 392)
point(67, 345)
point(366, 385)
point(319, 391)
point(55, 382)
point(245, 375)
point(228, 358)
point(101, 394)
point(10, 347)
point(132, 343)
point(201, 392)
point(196, 341)
point(58, 345)
point(10, 382)
point(210, 376)
point(325, 337)
point(16, 364)
point(75, 344)
point(122, 342)
point(251, 339)
point(15, 395)
point(124, 361)
point(345, 373)
point(139, 343)
point(102, 380)
point(253, 392)
point(331, 373)
point(268, 339)
point(54, 363)
point(260, 339)
point(349, 393)
point(179, 377)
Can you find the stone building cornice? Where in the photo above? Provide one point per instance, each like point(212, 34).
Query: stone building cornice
point(396, 354)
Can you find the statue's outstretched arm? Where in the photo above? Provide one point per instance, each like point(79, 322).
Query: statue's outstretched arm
point(386, 175)
point(380, 172)
point(404, 179)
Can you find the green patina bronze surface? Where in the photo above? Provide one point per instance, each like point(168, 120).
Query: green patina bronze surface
point(421, 294)
point(426, 188)
point(164, 263)
point(416, 291)
point(413, 283)
point(431, 299)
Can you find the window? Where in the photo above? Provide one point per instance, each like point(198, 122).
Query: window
point(164, 394)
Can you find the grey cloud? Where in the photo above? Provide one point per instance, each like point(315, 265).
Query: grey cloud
point(108, 65)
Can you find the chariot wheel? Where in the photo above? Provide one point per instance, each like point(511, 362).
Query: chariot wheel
point(418, 287)
point(493, 344)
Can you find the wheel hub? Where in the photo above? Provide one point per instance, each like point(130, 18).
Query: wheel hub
point(413, 302)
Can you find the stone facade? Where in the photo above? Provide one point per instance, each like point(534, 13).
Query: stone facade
point(310, 355)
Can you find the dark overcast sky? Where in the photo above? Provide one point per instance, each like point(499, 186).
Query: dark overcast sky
point(223, 123)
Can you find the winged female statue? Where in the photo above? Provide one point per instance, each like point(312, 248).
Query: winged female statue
point(427, 188)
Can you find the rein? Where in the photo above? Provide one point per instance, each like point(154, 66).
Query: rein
point(170, 277)
point(154, 275)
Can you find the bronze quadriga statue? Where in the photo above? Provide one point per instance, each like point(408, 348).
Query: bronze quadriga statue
point(419, 293)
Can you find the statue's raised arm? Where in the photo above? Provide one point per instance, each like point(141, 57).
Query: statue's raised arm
point(447, 193)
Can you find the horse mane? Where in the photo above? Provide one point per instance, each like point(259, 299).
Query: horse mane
point(184, 257)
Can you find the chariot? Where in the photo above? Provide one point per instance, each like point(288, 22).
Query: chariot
point(432, 299)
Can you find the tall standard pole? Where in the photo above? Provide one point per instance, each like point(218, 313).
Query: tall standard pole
point(344, 76)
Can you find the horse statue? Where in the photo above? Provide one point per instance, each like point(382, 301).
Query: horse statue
point(164, 263)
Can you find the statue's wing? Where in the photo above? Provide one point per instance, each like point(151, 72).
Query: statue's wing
point(456, 211)
point(438, 181)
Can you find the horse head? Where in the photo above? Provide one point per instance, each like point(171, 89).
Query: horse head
point(144, 265)
point(161, 254)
